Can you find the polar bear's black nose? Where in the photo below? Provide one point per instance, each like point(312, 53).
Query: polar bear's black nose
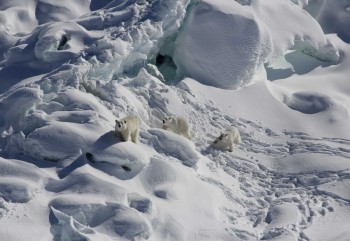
point(163, 121)
point(120, 125)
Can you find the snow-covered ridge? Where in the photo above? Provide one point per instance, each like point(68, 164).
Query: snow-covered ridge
point(70, 68)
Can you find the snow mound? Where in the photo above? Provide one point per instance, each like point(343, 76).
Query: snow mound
point(61, 41)
point(17, 17)
point(43, 142)
point(159, 178)
point(174, 145)
point(278, 218)
point(16, 190)
point(19, 181)
point(123, 159)
point(141, 204)
point(294, 27)
point(109, 219)
point(212, 46)
point(86, 184)
point(16, 105)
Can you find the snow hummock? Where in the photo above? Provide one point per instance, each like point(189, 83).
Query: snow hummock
point(209, 47)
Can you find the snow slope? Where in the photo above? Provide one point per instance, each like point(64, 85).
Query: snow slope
point(276, 70)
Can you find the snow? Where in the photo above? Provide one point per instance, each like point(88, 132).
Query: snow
point(176, 146)
point(209, 47)
point(277, 70)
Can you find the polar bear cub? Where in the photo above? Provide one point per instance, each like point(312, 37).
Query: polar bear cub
point(128, 127)
point(178, 125)
point(227, 139)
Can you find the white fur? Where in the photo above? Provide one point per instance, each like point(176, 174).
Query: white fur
point(178, 125)
point(227, 139)
point(128, 127)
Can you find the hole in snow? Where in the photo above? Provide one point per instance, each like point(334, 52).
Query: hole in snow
point(62, 43)
point(126, 168)
point(308, 102)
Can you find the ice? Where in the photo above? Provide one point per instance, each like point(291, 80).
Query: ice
point(210, 48)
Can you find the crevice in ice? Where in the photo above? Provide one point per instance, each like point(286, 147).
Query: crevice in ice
point(164, 58)
point(166, 67)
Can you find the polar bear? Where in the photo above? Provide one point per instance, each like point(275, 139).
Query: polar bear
point(227, 139)
point(128, 128)
point(178, 125)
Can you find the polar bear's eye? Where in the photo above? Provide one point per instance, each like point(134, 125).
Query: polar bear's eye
point(124, 122)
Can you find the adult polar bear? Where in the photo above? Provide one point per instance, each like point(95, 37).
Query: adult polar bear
point(178, 125)
point(227, 139)
point(128, 127)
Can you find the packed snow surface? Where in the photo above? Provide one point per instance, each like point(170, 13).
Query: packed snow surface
point(277, 70)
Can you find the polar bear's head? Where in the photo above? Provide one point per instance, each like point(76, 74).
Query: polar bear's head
point(169, 121)
point(120, 125)
point(221, 139)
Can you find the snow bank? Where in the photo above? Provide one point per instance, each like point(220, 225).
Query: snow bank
point(14, 106)
point(19, 181)
point(212, 46)
point(174, 145)
point(294, 26)
point(52, 11)
point(279, 217)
